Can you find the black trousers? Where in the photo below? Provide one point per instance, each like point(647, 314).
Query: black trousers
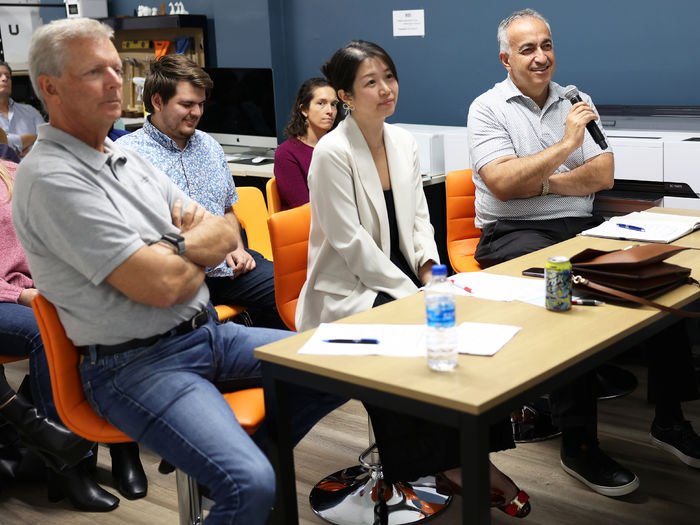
point(671, 372)
point(411, 447)
point(507, 239)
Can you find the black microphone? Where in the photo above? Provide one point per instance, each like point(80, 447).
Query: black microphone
point(572, 94)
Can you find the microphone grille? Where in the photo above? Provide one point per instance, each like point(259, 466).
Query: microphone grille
point(570, 92)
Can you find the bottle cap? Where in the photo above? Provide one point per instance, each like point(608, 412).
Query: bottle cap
point(438, 269)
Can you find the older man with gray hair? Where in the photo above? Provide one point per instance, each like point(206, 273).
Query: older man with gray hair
point(121, 252)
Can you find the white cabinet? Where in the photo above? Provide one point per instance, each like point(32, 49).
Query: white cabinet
point(682, 163)
point(638, 158)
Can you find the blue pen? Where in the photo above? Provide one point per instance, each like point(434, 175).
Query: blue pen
point(631, 227)
point(353, 341)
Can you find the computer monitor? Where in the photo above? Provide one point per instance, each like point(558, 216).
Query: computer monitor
point(240, 110)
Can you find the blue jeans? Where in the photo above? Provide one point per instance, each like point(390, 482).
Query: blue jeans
point(20, 337)
point(165, 397)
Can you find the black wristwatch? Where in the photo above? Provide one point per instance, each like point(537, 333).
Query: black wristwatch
point(178, 241)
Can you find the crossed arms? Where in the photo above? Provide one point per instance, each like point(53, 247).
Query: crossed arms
point(157, 276)
point(512, 177)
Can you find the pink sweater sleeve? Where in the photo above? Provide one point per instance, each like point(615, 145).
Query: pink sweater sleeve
point(14, 268)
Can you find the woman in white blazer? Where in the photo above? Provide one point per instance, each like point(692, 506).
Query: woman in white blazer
point(350, 256)
point(371, 242)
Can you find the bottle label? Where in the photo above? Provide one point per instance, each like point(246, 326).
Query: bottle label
point(441, 314)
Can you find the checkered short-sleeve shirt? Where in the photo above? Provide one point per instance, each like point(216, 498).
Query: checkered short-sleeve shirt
point(504, 122)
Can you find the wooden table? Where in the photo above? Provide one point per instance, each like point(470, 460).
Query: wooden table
point(551, 349)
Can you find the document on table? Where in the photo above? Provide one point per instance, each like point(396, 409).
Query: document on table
point(500, 287)
point(646, 226)
point(403, 340)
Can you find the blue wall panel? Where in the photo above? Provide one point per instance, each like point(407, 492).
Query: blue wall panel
point(618, 51)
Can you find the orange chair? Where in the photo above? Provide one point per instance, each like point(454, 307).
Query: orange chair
point(78, 415)
point(252, 214)
point(462, 235)
point(289, 233)
point(226, 312)
point(274, 203)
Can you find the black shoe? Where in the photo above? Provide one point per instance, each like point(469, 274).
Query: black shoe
point(531, 424)
point(612, 381)
point(165, 468)
point(80, 488)
point(55, 444)
point(127, 471)
point(600, 472)
point(680, 440)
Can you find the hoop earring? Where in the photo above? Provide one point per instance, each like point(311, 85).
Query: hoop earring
point(348, 108)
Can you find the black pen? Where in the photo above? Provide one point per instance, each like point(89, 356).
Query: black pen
point(353, 341)
point(587, 302)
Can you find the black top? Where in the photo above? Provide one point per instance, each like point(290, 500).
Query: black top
point(395, 253)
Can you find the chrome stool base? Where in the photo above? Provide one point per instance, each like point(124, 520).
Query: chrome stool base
point(359, 496)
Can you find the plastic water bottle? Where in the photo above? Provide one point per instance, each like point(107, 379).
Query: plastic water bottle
point(441, 333)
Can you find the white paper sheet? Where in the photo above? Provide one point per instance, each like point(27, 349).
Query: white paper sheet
point(409, 22)
point(655, 227)
point(501, 287)
point(484, 338)
point(393, 340)
point(403, 340)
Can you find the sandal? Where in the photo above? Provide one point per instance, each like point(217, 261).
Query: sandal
point(518, 507)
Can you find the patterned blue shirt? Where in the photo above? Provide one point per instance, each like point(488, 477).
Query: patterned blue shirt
point(200, 170)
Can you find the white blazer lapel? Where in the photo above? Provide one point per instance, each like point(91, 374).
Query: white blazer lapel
point(371, 186)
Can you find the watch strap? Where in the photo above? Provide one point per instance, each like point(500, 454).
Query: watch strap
point(177, 241)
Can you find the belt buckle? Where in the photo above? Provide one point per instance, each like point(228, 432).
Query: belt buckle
point(199, 319)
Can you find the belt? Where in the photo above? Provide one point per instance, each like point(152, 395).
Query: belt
point(183, 328)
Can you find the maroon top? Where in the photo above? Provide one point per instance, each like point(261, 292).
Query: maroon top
point(292, 160)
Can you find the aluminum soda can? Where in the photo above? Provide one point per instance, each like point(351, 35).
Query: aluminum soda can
point(557, 278)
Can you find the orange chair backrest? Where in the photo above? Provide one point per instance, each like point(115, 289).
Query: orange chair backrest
point(78, 415)
point(72, 405)
point(462, 235)
point(289, 233)
point(274, 203)
point(252, 214)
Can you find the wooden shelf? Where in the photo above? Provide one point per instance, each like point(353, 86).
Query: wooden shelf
point(153, 28)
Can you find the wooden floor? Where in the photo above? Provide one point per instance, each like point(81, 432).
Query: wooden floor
point(669, 491)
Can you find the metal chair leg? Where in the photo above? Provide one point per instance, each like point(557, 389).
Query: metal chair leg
point(189, 501)
point(359, 496)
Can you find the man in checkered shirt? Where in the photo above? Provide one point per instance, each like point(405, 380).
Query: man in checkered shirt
point(535, 166)
point(536, 170)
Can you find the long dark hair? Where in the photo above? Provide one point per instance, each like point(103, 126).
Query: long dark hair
point(297, 125)
point(341, 69)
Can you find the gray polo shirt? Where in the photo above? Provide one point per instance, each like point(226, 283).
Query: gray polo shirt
point(504, 122)
point(79, 214)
